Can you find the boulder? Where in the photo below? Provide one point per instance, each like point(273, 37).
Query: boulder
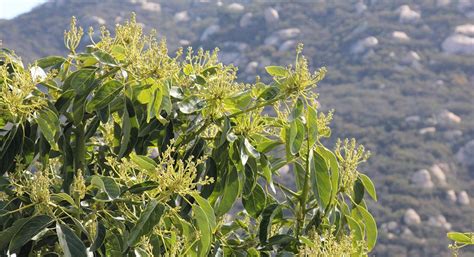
point(184, 42)
point(181, 16)
point(400, 36)
point(446, 118)
point(287, 45)
point(251, 67)
point(411, 217)
point(364, 44)
point(246, 19)
point(466, 153)
point(438, 174)
point(411, 58)
point(235, 8)
point(151, 7)
point(422, 178)
point(288, 33)
point(407, 15)
point(451, 196)
point(466, 29)
point(439, 221)
point(209, 31)
point(463, 198)
point(458, 44)
point(271, 15)
point(427, 130)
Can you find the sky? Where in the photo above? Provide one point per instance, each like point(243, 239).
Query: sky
point(12, 8)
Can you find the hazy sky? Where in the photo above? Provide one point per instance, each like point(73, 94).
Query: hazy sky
point(11, 8)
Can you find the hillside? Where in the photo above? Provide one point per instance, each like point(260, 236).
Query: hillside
point(401, 81)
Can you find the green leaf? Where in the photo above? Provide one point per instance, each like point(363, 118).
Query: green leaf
point(296, 111)
point(50, 61)
point(463, 238)
point(250, 149)
point(190, 105)
point(99, 237)
point(370, 227)
point(188, 69)
point(144, 162)
point(321, 180)
point(80, 80)
point(153, 106)
point(107, 185)
point(142, 187)
point(29, 229)
point(71, 245)
point(368, 185)
point(48, 121)
point(334, 168)
point(104, 95)
point(231, 191)
point(358, 191)
point(59, 197)
point(118, 52)
point(104, 58)
point(202, 222)
point(255, 202)
point(312, 124)
point(207, 208)
point(276, 71)
point(7, 234)
point(295, 136)
point(266, 222)
point(149, 218)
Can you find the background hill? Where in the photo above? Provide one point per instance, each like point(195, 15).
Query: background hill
point(401, 79)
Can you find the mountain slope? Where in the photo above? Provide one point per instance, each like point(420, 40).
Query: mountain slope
point(397, 80)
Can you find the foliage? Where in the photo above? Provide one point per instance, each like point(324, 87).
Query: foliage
point(124, 150)
point(460, 240)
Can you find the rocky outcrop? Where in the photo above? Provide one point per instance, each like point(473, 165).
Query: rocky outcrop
point(427, 130)
point(466, 153)
point(251, 67)
point(465, 29)
point(271, 15)
point(422, 178)
point(209, 31)
point(360, 7)
point(235, 8)
point(181, 16)
point(365, 44)
point(245, 20)
point(446, 118)
point(407, 15)
point(411, 217)
point(282, 35)
point(451, 196)
point(458, 44)
point(150, 6)
point(439, 221)
point(463, 198)
point(439, 175)
point(400, 36)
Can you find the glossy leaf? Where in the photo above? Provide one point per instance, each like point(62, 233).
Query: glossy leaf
point(276, 71)
point(29, 229)
point(368, 185)
point(104, 95)
point(69, 242)
point(149, 218)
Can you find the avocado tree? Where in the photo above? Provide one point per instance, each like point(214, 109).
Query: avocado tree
point(123, 150)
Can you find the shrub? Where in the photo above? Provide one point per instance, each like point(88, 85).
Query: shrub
point(122, 150)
